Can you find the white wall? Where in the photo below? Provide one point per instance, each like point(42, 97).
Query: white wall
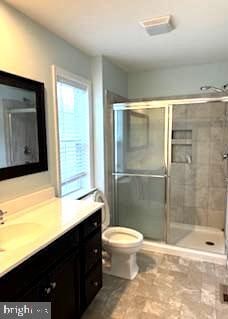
point(114, 78)
point(105, 76)
point(176, 81)
point(98, 120)
point(29, 50)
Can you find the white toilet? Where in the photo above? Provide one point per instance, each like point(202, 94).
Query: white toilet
point(120, 243)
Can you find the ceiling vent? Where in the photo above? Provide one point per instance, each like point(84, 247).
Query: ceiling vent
point(159, 25)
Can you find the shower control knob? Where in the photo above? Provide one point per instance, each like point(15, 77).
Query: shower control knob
point(225, 156)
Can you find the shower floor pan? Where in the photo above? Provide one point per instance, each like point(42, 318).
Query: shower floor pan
point(191, 242)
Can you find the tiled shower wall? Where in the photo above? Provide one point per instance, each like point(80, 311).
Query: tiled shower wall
point(198, 168)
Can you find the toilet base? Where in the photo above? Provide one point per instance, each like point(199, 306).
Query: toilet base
point(123, 266)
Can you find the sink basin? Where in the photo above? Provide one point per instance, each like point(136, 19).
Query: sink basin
point(16, 235)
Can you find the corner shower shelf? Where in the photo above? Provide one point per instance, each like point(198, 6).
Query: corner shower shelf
point(181, 134)
point(182, 141)
point(181, 145)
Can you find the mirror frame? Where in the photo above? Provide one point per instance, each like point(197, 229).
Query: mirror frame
point(38, 88)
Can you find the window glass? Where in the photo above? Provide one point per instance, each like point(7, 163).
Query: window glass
point(74, 138)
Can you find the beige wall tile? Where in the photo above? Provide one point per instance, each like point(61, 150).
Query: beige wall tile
point(196, 111)
point(217, 134)
point(217, 110)
point(216, 218)
point(177, 196)
point(177, 215)
point(216, 198)
point(216, 153)
point(201, 152)
point(203, 180)
point(201, 217)
point(195, 216)
point(179, 112)
point(196, 197)
point(177, 173)
point(196, 175)
point(201, 131)
point(216, 176)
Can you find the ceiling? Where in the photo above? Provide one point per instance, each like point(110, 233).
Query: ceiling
point(111, 28)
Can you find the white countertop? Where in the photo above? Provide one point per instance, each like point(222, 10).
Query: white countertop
point(49, 220)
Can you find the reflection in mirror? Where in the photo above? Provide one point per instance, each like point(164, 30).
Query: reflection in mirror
point(138, 128)
point(139, 138)
point(18, 127)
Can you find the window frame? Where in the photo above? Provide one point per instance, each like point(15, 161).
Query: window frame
point(58, 72)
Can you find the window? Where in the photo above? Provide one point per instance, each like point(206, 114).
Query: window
point(74, 132)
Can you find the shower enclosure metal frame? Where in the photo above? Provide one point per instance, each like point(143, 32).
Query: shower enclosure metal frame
point(168, 106)
point(121, 106)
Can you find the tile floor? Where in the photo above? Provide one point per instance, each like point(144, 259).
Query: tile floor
point(167, 287)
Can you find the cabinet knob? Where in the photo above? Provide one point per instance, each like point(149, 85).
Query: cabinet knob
point(47, 290)
point(95, 283)
point(53, 285)
point(95, 251)
point(95, 224)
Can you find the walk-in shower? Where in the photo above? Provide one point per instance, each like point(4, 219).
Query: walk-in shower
point(169, 172)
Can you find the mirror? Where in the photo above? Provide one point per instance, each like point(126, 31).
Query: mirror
point(22, 126)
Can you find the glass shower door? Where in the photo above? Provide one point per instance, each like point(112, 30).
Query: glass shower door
point(140, 139)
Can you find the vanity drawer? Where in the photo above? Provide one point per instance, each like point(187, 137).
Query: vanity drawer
point(93, 251)
point(93, 283)
point(92, 223)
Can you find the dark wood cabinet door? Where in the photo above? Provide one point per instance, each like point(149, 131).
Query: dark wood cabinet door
point(93, 251)
point(32, 295)
point(93, 283)
point(61, 287)
point(64, 289)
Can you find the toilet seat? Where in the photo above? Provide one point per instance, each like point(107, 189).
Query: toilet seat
point(98, 196)
point(122, 237)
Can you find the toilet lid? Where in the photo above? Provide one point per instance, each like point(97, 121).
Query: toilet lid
point(100, 197)
point(121, 237)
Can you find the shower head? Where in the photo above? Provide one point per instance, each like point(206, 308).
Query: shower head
point(215, 89)
point(205, 88)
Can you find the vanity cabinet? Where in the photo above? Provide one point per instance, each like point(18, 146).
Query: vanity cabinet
point(60, 287)
point(67, 273)
point(91, 266)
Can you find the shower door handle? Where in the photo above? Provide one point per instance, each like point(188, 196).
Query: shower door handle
point(225, 158)
point(139, 175)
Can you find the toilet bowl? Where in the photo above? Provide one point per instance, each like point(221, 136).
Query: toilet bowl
point(120, 243)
